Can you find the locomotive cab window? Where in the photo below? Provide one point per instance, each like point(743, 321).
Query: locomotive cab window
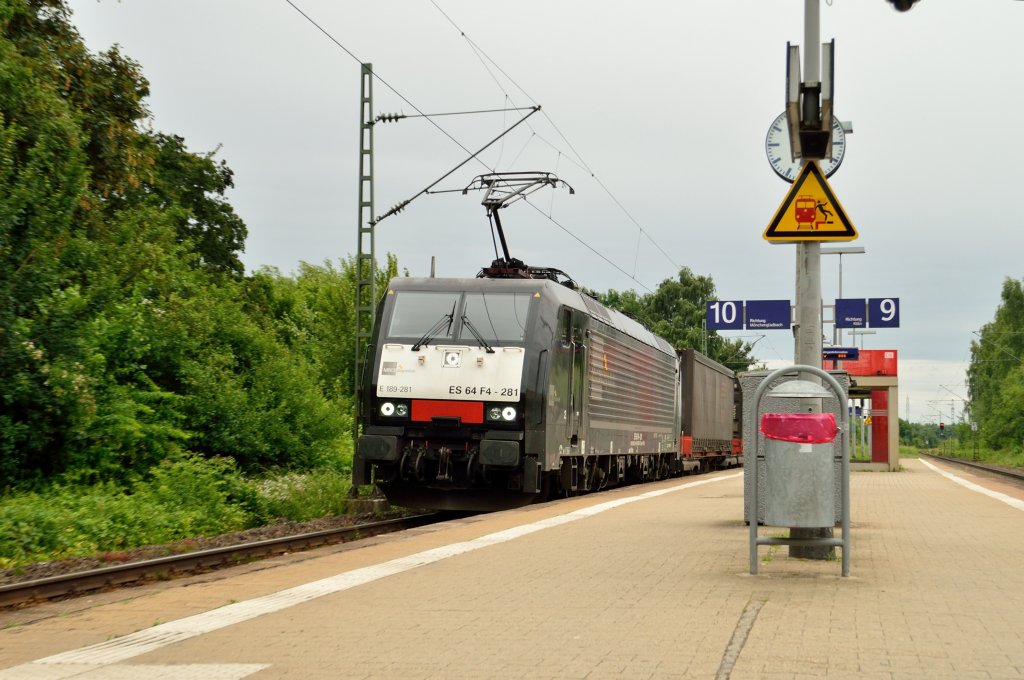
point(565, 326)
point(496, 316)
point(417, 312)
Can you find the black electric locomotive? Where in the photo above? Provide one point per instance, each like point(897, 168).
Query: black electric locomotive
point(487, 393)
point(511, 387)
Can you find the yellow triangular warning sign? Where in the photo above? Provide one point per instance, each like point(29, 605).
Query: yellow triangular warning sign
point(810, 212)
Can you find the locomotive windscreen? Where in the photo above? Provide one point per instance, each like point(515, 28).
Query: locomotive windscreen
point(417, 311)
point(498, 316)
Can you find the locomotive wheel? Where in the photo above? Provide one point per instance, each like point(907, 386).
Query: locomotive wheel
point(413, 465)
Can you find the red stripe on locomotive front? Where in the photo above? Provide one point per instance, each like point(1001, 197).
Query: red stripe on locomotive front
point(423, 410)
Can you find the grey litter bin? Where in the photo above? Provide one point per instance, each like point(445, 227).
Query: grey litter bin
point(795, 450)
point(800, 470)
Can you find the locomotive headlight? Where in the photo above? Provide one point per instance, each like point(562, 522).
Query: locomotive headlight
point(500, 412)
point(394, 409)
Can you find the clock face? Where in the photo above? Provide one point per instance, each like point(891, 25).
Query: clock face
point(776, 145)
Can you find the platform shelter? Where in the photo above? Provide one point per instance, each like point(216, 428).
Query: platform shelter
point(874, 376)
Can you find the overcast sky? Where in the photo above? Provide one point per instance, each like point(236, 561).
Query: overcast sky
point(655, 112)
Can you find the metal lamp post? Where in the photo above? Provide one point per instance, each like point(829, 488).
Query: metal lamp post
point(840, 251)
point(855, 332)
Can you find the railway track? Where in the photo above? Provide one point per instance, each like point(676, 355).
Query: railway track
point(1002, 471)
point(67, 585)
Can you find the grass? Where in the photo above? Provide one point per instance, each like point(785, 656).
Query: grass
point(180, 499)
point(303, 496)
point(1006, 458)
point(773, 549)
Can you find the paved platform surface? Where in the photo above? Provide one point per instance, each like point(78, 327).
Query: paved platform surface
point(645, 582)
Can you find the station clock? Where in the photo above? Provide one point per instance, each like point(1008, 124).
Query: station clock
point(776, 146)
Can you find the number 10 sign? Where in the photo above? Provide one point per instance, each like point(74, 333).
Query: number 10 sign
point(724, 315)
point(733, 315)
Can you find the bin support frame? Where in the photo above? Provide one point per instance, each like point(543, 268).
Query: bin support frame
point(844, 431)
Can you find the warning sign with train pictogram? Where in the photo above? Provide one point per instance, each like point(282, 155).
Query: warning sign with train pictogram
point(810, 212)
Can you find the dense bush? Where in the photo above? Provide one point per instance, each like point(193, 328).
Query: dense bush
point(145, 381)
point(300, 496)
point(182, 498)
point(129, 335)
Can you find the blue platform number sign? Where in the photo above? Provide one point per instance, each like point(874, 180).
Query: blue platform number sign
point(850, 313)
point(762, 314)
point(724, 315)
point(884, 312)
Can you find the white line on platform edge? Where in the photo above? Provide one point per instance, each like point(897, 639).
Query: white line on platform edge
point(1009, 500)
point(183, 671)
point(143, 641)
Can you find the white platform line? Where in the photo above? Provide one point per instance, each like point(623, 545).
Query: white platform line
point(143, 641)
point(1009, 500)
point(78, 671)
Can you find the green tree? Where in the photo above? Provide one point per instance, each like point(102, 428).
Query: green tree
point(676, 311)
point(190, 188)
point(125, 335)
point(44, 174)
point(995, 376)
point(923, 435)
point(313, 314)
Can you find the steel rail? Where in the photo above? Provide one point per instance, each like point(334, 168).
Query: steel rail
point(1005, 472)
point(66, 585)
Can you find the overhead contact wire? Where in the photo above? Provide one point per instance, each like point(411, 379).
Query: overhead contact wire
point(587, 246)
point(475, 156)
point(382, 81)
point(565, 139)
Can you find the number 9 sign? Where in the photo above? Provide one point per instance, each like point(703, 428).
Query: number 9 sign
point(884, 312)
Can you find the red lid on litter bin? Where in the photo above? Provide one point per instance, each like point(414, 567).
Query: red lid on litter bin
point(805, 428)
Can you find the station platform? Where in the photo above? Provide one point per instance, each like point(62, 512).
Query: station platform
point(648, 581)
